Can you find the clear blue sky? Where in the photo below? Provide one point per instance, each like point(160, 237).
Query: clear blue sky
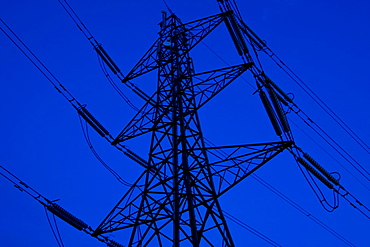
point(324, 42)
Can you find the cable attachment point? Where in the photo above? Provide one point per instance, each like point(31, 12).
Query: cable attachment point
point(318, 170)
point(113, 243)
point(92, 121)
point(107, 59)
point(66, 216)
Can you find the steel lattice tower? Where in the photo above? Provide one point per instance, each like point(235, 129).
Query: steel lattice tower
point(178, 200)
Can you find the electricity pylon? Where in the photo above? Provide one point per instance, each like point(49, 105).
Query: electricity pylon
point(176, 198)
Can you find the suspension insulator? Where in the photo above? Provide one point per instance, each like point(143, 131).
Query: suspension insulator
point(238, 34)
point(107, 59)
point(66, 216)
point(321, 169)
point(253, 36)
point(281, 99)
point(113, 243)
point(233, 36)
point(92, 121)
point(135, 157)
point(270, 112)
point(282, 93)
point(279, 110)
point(315, 173)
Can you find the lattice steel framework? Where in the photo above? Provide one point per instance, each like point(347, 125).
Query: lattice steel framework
point(176, 198)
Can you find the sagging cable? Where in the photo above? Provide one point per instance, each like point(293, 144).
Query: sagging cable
point(95, 153)
point(55, 231)
point(114, 85)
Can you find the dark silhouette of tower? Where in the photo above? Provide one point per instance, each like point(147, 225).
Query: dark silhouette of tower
point(175, 200)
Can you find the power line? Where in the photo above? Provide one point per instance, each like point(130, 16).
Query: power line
point(318, 130)
point(114, 85)
point(254, 39)
point(300, 209)
point(290, 201)
point(251, 229)
point(168, 8)
point(91, 147)
point(331, 156)
point(89, 143)
point(55, 231)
